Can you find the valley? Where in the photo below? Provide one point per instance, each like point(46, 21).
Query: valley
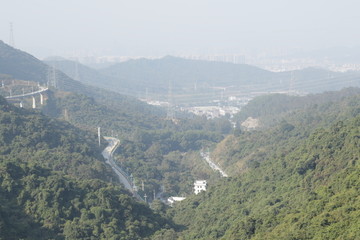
point(279, 157)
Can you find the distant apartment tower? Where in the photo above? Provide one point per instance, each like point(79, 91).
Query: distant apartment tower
point(199, 185)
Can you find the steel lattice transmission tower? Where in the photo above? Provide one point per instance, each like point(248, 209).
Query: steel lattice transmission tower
point(11, 36)
point(51, 77)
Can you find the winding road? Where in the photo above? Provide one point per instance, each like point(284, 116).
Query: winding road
point(206, 157)
point(108, 155)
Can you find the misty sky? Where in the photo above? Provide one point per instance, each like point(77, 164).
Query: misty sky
point(161, 27)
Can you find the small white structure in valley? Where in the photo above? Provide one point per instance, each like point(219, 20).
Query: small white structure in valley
point(172, 200)
point(199, 185)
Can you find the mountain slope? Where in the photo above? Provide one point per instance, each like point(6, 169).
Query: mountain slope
point(54, 184)
point(22, 66)
point(155, 75)
point(285, 122)
point(271, 109)
point(26, 136)
point(81, 72)
point(311, 192)
point(87, 113)
point(195, 81)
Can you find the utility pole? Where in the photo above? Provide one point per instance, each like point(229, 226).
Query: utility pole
point(66, 115)
point(51, 77)
point(99, 136)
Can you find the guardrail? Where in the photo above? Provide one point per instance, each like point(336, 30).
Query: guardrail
point(28, 94)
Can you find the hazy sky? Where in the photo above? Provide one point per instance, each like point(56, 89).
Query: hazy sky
point(161, 27)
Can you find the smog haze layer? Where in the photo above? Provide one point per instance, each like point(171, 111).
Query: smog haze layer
point(163, 27)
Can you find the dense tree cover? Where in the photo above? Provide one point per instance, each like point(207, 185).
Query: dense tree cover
point(126, 120)
point(308, 192)
point(166, 158)
point(32, 137)
point(152, 148)
point(248, 148)
point(294, 183)
point(54, 184)
point(271, 109)
point(39, 204)
point(87, 113)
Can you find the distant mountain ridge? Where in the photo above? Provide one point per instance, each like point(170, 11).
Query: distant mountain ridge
point(23, 66)
point(184, 74)
point(199, 80)
point(80, 72)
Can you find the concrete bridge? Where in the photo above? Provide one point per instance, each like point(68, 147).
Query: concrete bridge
point(32, 94)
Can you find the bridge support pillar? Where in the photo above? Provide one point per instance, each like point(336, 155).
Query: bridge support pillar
point(41, 99)
point(33, 102)
point(21, 104)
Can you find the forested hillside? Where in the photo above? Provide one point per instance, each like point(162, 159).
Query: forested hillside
point(135, 75)
point(194, 76)
point(81, 73)
point(310, 191)
point(18, 65)
point(284, 121)
point(54, 184)
point(85, 112)
point(271, 109)
point(27, 136)
point(294, 177)
point(154, 149)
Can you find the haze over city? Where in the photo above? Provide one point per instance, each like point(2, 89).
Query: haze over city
point(160, 27)
point(169, 119)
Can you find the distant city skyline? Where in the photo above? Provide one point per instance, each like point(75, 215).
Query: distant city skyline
point(178, 27)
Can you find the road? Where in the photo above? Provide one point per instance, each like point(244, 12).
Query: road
point(206, 157)
point(123, 177)
point(41, 90)
point(108, 155)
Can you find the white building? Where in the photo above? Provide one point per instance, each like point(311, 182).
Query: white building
point(199, 185)
point(172, 200)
